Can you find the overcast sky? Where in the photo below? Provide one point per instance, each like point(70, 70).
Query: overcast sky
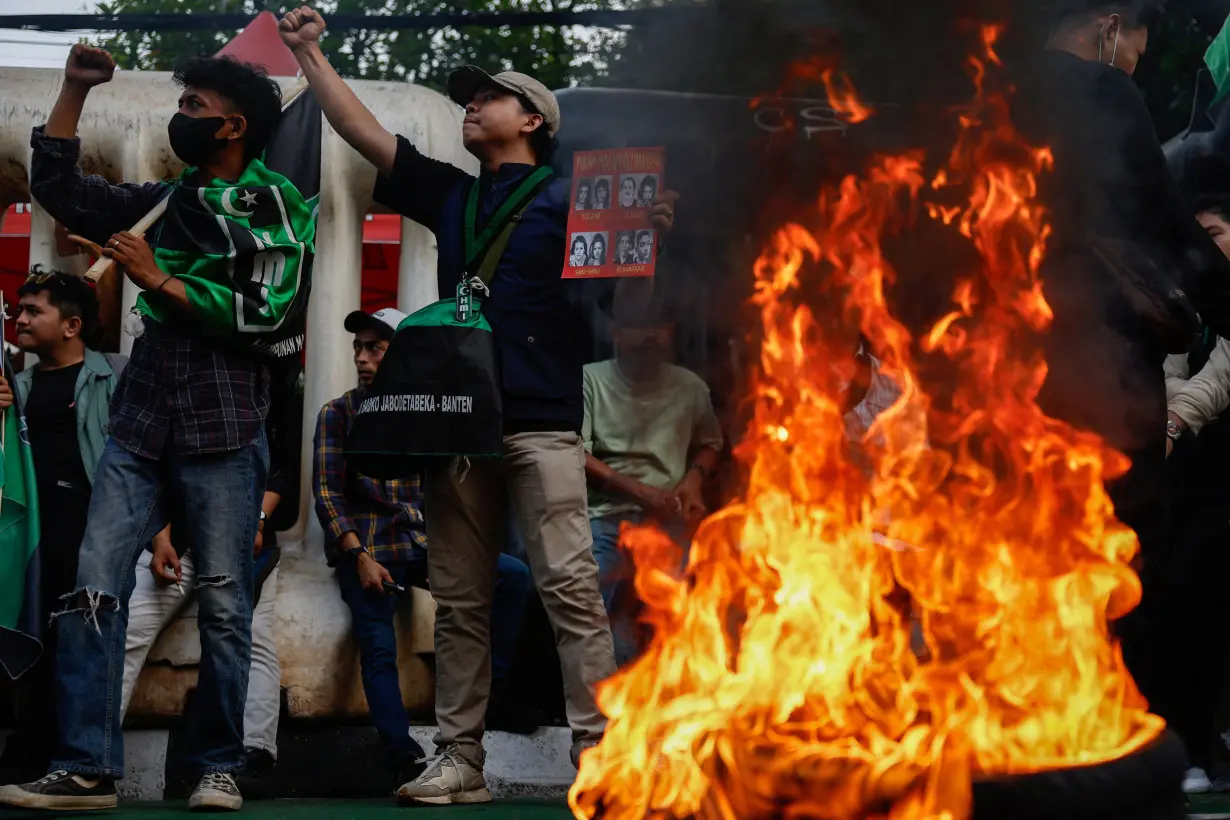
point(36, 48)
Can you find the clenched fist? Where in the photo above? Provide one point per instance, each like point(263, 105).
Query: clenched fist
point(301, 27)
point(88, 66)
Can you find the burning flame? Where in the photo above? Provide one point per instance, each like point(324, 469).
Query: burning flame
point(781, 678)
point(842, 97)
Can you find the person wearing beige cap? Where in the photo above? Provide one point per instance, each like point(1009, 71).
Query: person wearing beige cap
point(541, 333)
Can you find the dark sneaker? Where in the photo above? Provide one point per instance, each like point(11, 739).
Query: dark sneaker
point(504, 714)
point(579, 748)
point(16, 775)
point(62, 791)
point(448, 779)
point(251, 778)
point(216, 792)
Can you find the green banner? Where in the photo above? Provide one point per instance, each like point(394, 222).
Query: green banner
point(243, 250)
point(18, 516)
point(1217, 58)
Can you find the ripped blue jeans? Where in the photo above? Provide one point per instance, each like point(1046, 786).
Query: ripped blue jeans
point(217, 499)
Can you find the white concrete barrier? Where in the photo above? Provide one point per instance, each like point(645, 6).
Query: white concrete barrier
point(124, 138)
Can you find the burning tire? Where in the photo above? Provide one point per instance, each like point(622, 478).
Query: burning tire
point(1145, 785)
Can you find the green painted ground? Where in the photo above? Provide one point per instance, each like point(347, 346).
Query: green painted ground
point(1210, 806)
point(332, 810)
point(1203, 807)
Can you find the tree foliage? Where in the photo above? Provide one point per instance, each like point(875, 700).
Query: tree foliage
point(558, 55)
point(740, 47)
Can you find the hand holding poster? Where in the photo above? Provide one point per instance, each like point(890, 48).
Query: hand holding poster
point(609, 232)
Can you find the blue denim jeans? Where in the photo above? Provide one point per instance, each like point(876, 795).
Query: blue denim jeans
point(617, 582)
point(217, 497)
point(372, 622)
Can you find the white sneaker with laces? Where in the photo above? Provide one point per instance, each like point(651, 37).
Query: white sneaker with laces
point(447, 779)
point(216, 792)
point(1196, 781)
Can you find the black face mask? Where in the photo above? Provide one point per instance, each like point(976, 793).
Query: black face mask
point(193, 140)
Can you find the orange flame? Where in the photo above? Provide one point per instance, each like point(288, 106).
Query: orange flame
point(781, 678)
point(842, 97)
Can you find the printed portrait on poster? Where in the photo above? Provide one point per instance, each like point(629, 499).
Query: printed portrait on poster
point(609, 231)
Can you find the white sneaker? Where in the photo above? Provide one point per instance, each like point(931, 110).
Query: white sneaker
point(1196, 781)
point(216, 792)
point(447, 779)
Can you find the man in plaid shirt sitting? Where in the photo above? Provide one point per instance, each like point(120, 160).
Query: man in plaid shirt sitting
point(376, 538)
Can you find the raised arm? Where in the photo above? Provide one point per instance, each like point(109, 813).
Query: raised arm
point(86, 68)
point(89, 206)
point(301, 30)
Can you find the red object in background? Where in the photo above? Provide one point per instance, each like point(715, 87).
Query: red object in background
point(14, 256)
point(259, 44)
point(381, 247)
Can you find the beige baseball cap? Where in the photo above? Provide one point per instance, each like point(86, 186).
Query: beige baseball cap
point(465, 82)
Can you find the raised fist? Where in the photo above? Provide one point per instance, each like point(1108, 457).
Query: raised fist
point(88, 66)
point(301, 27)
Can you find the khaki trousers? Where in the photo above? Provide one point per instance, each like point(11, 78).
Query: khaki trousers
point(542, 475)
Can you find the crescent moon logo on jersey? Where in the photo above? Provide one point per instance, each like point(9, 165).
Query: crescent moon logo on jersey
point(228, 203)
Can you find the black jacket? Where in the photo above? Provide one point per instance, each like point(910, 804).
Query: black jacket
point(1126, 247)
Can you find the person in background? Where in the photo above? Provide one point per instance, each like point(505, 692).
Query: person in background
point(1198, 563)
point(167, 577)
point(1129, 275)
point(651, 440)
point(187, 433)
point(376, 538)
point(540, 329)
point(66, 397)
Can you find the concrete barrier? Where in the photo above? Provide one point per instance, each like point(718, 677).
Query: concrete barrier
point(124, 138)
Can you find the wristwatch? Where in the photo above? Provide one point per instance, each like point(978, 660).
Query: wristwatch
point(1173, 431)
point(261, 522)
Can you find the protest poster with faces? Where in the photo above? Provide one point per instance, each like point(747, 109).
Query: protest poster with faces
point(609, 233)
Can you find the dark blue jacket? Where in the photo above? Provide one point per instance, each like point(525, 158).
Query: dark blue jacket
point(537, 318)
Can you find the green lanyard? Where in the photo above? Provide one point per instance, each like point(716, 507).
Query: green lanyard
point(475, 245)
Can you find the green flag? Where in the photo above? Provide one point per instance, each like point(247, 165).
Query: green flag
point(1217, 58)
point(18, 516)
point(243, 250)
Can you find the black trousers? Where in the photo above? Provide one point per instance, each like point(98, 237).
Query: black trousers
point(62, 517)
point(1141, 500)
point(1175, 644)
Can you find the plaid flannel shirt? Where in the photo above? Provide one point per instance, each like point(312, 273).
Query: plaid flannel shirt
point(386, 516)
point(178, 387)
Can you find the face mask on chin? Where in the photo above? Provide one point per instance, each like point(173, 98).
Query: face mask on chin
point(193, 140)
